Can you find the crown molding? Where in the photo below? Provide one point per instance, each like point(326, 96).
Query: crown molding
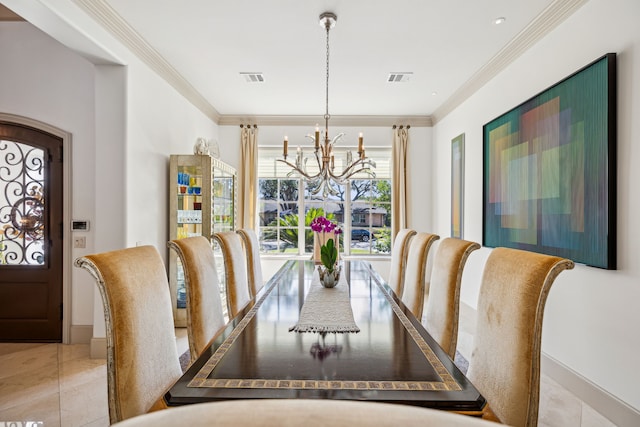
point(543, 24)
point(310, 120)
point(106, 16)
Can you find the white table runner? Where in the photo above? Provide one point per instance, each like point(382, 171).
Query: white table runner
point(326, 309)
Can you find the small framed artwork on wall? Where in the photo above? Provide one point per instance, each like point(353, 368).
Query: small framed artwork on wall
point(457, 186)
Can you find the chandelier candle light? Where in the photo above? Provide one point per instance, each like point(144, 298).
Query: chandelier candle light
point(327, 178)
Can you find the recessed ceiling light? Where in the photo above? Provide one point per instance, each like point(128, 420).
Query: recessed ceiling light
point(499, 20)
point(434, 93)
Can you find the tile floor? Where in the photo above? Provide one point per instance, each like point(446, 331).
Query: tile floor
point(57, 384)
point(61, 386)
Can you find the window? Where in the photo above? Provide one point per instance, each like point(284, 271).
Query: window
point(286, 207)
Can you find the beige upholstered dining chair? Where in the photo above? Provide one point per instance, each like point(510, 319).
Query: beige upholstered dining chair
point(443, 304)
point(142, 357)
point(235, 270)
point(205, 317)
point(252, 252)
point(399, 254)
point(415, 272)
point(505, 361)
point(304, 412)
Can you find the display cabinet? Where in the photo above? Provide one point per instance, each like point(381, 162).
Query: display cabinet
point(202, 201)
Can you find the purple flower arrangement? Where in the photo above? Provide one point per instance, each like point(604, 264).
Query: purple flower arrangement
point(321, 224)
point(328, 249)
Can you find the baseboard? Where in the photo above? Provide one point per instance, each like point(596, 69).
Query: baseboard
point(98, 348)
point(80, 334)
point(609, 406)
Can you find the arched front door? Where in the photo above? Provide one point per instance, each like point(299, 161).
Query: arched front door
point(31, 228)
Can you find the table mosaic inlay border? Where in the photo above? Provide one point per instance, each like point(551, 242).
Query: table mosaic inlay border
point(447, 383)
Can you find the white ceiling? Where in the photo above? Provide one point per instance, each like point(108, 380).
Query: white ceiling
point(452, 47)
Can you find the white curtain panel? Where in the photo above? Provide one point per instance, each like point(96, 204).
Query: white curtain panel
point(248, 177)
point(399, 181)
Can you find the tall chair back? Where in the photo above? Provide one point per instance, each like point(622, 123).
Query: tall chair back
point(235, 271)
point(142, 357)
point(415, 273)
point(252, 252)
point(205, 317)
point(443, 305)
point(505, 362)
point(399, 254)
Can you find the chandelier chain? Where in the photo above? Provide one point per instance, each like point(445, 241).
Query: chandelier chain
point(326, 115)
point(326, 179)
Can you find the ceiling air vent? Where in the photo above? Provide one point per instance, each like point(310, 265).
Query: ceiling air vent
point(399, 77)
point(252, 77)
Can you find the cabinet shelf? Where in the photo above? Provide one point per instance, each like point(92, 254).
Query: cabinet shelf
point(193, 214)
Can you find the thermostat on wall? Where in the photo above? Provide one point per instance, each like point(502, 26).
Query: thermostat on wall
point(79, 225)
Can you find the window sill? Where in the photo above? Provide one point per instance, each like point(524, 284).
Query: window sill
point(345, 257)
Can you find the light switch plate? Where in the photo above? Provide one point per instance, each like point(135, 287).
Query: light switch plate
point(80, 242)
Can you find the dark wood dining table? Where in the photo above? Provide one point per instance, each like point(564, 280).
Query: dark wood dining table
point(391, 359)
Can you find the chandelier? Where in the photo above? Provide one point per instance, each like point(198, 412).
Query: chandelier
point(327, 178)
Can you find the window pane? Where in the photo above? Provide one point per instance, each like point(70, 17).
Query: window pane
point(267, 189)
point(268, 239)
point(278, 210)
point(360, 189)
point(382, 242)
point(22, 204)
point(288, 189)
point(361, 208)
point(308, 240)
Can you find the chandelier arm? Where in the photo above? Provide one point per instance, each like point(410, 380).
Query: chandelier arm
point(318, 162)
point(337, 138)
point(363, 170)
point(297, 169)
point(327, 189)
point(357, 163)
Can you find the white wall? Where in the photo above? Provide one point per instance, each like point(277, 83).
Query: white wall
point(42, 80)
point(591, 317)
point(124, 121)
point(160, 122)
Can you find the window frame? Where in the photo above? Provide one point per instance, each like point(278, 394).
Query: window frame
point(302, 203)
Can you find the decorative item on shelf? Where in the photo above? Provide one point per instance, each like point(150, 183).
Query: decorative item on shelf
point(201, 147)
point(326, 250)
point(214, 149)
point(327, 177)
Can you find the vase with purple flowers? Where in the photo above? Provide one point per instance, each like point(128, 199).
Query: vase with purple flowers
point(326, 235)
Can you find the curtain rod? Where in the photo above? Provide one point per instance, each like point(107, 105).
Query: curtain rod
point(401, 126)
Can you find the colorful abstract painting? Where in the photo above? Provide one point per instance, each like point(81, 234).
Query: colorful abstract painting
point(550, 170)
